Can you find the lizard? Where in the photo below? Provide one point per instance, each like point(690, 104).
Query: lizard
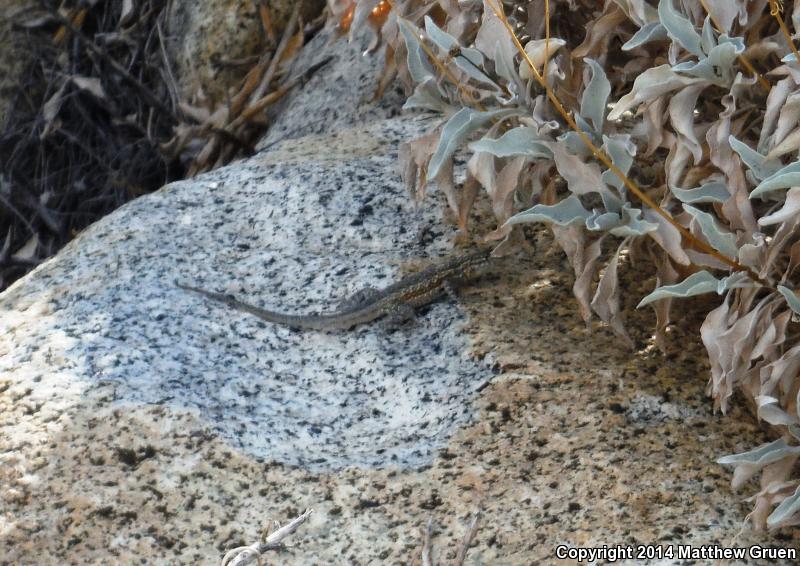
point(396, 302)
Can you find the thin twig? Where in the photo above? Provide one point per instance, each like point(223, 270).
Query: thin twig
point(427, 545)
point(170, 82)
point(10, 206)
point(259, 105)
point(463, 548)
point(248, 554)
point(146, 93)
point(288, 32)
point(266, 20)
point(546, 37)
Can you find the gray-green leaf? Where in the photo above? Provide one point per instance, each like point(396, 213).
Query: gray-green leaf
point(467, 59)
point(642, 12)
point(455, 132)
point(574, 144)
point(632, 224)
point(717, 68)
point(622, 151)
point(791, 298)
point(654, 31)
point(652, 83)
point(568, 211)
point(595, 96)
point(721, 240)
point(418, 66)
point(707, 39)
point(785, 510)
point(523, 140)
point(679, 28)
point(602, 222)
point(784, 178)
point(628, 223)
point(504, 64)
point(756, 163)
point(698, 284)
point(428, 96)
point(761, 456)
point(715, 191)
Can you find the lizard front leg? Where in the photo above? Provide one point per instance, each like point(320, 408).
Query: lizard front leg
point(451, 287)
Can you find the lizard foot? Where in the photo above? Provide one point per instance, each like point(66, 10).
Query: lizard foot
point(398, 315)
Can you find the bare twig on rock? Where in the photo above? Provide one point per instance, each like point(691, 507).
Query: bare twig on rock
point(463, 548)
point(426, 555)
point(427, 546)
point(153, 101)
point(243, 555)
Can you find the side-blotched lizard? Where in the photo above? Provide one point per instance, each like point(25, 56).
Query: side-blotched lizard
point(396, 301)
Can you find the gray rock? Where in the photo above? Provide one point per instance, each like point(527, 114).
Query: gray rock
point(295, 229)
point(206, 41)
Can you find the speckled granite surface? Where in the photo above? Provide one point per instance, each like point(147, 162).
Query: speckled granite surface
point(139, 424)
point(319, 233)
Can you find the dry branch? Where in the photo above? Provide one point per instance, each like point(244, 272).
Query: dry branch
point(244, 555)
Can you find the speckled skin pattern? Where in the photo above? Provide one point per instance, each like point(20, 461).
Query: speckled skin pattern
point(139, 425)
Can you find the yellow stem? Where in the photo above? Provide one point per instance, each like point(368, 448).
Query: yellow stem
point(775, 12)
point(546, 37)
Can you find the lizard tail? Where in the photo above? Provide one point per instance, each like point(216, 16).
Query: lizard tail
point(304, 322)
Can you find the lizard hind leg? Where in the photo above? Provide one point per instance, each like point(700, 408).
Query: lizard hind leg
point(397, 315)
point(358, 298)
